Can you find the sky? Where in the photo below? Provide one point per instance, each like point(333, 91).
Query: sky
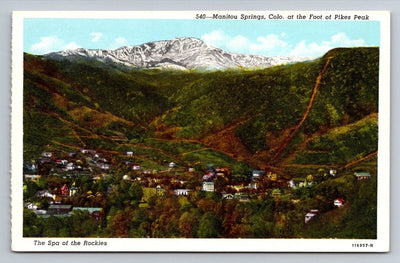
point(266, 37)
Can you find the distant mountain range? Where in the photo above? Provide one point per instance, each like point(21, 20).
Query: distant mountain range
point(179, 53)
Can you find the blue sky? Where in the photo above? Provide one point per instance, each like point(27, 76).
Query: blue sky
point(266, 37)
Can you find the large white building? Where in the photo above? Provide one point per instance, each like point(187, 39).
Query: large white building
point(208, 186)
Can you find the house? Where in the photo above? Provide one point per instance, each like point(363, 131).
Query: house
point(242, 197)
point(208, 176)
point(276, 192)
point(208, 186)
point(362, 175)
point(190, 169)
point(61, 162)
point(228, 196)
point(256, 174)
point(339, 202)
point(136, 167)
point(84, 151)
point(59, 209)
point(64, 190)
point(332, 172)
point(40, 212)
point(272, 176)
point(172, 165)
point(129, 153)
point(103, 166)
point(70, 167)
point(160, 191)
point(96, 213)
point(32, 177)
point(180, 192)
point(310, 215)
point(300, 182)
point(47, 154)
point(73, 189)
point(30, 206)
point(126, 177)
point(44, 193)
point(30, 168)
point(254, 186)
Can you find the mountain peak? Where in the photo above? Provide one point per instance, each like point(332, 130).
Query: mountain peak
point(177, 53)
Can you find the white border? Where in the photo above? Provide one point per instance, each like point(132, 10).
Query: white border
point(381, 244)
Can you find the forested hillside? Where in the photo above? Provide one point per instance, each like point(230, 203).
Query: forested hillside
point(243, 119)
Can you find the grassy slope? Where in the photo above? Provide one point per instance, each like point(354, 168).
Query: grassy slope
point(249, 111)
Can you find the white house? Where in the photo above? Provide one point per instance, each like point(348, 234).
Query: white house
point(339, 202)
point(47, 154)
point(31, 177)
point(44, 193)
point(208, 186)
point(84, 151)
point(129, 153)
point(30, 206)
point(255, 174)
point(172, 165)
point(310, 215)
point(136, 167)
point(181, 192)
point(126, 177)
point(362, 175)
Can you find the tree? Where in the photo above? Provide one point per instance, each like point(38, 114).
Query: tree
point(210, 226)
point(119, 225)
point(189, 223)
point(135, 192)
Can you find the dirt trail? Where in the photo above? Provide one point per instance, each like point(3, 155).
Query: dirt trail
point(293, 133)
point(361, 159)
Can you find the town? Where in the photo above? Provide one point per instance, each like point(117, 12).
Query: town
point(87, 181)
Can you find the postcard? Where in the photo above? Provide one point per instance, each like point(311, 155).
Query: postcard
point(204, 131)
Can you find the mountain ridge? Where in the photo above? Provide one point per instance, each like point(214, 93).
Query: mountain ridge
point(243, 114)
point(179, 53)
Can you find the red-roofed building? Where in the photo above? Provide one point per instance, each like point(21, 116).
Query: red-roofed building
point(64, 190)
point(339, 202)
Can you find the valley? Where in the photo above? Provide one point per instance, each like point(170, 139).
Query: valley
point(203, 153)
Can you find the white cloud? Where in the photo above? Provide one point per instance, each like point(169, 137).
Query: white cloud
point(51, 44)
point(121, 41)
point(343, 40)
point(277, 44)
point(269, 44)
point(96, 36)
point(46, 44)
point(216, 38)
point(315, 49)
point(238, 43)
point(71, 45)
point(118, 42)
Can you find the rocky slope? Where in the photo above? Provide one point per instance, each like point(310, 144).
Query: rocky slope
point(179, 53)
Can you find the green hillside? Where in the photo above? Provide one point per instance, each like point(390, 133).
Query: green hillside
point(292, 121)
point(103, 101)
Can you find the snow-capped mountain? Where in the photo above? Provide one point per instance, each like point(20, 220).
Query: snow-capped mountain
point(178, 53)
